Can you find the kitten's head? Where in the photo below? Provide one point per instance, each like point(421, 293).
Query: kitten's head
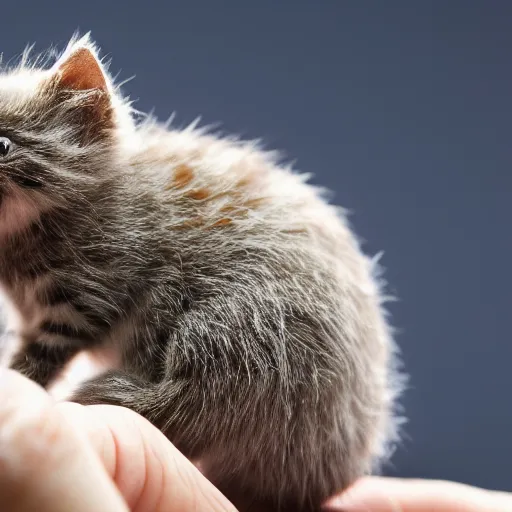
point(59, 130)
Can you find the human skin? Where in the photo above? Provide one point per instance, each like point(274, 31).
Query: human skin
point(61, 456)
point(376, 494)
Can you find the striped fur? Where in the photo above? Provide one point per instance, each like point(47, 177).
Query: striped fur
point(247, 324)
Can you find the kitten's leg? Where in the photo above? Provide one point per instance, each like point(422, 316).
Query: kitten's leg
point(41, 362)
point(161, 404)
point(279, 441)
point(173, 408)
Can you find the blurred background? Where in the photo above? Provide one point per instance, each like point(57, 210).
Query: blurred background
point(403, 109)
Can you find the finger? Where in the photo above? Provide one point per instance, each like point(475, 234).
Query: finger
point(44, 464)
point(151, 474)
point(397, 495)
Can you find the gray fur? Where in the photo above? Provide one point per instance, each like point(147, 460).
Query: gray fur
point(248, 324)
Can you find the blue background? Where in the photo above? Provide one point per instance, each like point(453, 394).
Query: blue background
point(403, 109)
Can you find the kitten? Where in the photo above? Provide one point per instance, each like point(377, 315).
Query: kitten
point(246, 323)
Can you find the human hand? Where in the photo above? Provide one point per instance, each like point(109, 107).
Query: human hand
point(377, 494)
point(62, 456)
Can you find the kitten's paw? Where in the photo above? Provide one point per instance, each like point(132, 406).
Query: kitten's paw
point(110, 388)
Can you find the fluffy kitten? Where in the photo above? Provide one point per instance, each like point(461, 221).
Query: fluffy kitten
point(245, 321)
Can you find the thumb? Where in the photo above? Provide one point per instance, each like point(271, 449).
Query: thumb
point(44, 464)
point(151, 474)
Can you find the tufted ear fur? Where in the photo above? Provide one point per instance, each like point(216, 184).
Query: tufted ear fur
point(79, 77)
point(79, 68)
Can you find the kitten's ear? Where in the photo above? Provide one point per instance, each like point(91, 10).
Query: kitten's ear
point(82, 71)
point(79, 68)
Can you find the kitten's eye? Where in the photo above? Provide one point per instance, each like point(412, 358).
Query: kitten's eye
point(5, 146)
